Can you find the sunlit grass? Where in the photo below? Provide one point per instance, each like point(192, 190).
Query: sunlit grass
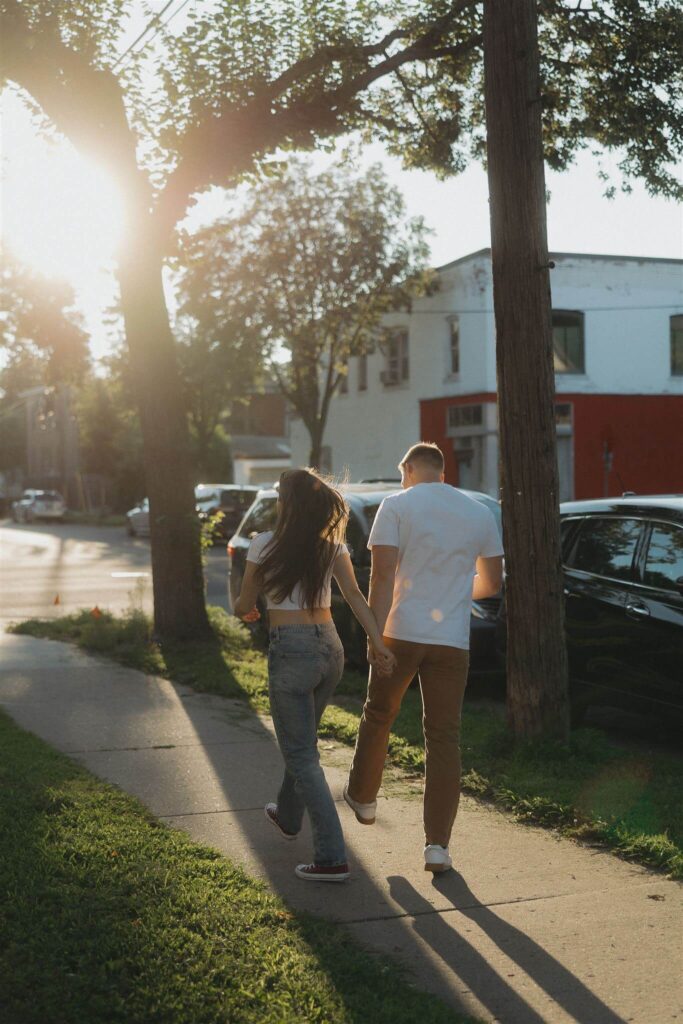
point(592, 789)
point(108, 916)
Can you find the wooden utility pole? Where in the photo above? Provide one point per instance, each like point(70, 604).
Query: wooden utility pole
point(536, 655)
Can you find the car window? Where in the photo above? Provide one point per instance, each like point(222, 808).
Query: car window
point(233, 500)
point(52, 496)
point(261, 518)
point(664, 562)
point(206, 496)
point(605, 547)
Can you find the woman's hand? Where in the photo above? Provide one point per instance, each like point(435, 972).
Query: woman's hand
point(381, 658)
point(253, 616)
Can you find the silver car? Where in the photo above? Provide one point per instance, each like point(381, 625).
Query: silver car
point(38, 505)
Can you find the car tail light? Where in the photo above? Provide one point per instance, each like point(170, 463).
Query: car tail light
point(231, 550)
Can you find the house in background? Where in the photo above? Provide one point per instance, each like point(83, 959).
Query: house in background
point(258, 431)
point(618, 344)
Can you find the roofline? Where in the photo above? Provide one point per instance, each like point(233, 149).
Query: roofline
point(568, 255)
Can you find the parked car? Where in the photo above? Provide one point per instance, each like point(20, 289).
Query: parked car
point(623, 586)
point(137, 520)
point(232, 500)
point(364, 501)
point(38, 505)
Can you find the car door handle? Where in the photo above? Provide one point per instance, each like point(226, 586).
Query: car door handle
point(638, 611)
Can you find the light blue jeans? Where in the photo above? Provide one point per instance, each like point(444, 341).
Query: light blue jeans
point(305, 664)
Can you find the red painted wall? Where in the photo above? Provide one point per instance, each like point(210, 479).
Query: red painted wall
point(643, 432)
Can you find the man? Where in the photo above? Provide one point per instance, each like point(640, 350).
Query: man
point(433, 550)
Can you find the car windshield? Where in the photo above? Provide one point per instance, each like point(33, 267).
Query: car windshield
point(50, 496)
point(202, 495)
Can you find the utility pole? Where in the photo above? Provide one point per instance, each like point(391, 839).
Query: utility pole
point(537, 699)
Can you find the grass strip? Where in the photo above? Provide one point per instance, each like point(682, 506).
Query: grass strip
point(591, 789)
point(108, 915)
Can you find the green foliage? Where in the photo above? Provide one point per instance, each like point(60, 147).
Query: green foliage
point(40, 329)
point(111, 916)
point(592, 789)
point(306, 267)
point(110, 436)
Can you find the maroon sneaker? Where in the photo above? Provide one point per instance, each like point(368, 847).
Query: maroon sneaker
point(322, 872)
point(271, 815)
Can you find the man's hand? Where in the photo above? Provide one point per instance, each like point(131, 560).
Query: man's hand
point(253, 616)
point(382, 660)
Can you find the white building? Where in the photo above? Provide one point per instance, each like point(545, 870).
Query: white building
point(618, 335)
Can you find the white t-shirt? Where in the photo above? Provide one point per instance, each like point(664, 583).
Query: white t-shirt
point(295, 602)
point(439, 533)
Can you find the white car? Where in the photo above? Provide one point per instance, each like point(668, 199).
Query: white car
point(137, 520)
point(38, 505)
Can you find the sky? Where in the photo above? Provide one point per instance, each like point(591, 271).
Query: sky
point(62, 214)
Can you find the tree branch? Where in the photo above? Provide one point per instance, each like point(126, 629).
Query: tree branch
point(227, 144)
point(83, 102)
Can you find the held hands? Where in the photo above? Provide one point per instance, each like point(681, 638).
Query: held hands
point(253, 616)
point(381, 658)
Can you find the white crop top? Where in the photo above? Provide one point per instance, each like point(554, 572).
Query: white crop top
point(293, 603)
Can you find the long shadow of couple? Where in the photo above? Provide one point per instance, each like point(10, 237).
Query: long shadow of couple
point(483, 980)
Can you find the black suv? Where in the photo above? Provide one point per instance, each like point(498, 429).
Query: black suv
point(363, 501)
point(623, 586)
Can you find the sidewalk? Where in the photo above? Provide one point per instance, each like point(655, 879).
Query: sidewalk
point(530, 929)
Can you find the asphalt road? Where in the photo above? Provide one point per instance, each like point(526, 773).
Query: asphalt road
point(51, 569)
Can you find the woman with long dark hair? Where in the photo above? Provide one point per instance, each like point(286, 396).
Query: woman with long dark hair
point(293, 566)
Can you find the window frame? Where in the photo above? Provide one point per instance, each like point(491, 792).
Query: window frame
point(454, 336)
point(676, 344)
point(399, 337)
point(581, 323)
point(574, 536)
point(645, 549)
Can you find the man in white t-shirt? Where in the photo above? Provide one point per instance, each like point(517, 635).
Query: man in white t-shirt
point(433, 550)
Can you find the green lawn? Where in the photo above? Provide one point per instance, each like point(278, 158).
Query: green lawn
point(593, 789)
point(106, 915)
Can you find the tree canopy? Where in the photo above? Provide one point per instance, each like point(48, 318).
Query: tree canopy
point(305, 269)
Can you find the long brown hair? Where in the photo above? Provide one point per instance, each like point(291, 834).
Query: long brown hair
point(311, 523)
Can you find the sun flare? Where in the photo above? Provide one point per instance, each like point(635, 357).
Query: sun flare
point(62, 213)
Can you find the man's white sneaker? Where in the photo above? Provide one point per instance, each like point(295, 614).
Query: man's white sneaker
point(365, 813)
point(437, 859)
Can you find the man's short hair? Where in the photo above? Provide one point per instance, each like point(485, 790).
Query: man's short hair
point(425, 452)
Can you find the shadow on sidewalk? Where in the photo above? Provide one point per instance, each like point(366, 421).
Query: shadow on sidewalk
point(563, 987)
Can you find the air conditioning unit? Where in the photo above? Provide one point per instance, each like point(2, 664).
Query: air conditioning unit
point(389, 378)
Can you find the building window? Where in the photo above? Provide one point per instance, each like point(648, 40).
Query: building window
point(465, 416)
point(677, 345)
point(396, 364)
point(454, 346)
point(568, 344)
point(363, 372)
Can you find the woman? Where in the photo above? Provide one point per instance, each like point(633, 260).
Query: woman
point(293, 567)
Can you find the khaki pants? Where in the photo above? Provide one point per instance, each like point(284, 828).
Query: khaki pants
point(443, 677)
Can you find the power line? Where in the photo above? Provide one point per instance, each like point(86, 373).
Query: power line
point(153, 21)
point(143, 33)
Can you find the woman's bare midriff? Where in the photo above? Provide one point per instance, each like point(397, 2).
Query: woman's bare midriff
point(305, 617)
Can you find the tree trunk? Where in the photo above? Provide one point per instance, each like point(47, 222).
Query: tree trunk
point(179, 606)
point(315, 452)
point(536, 655)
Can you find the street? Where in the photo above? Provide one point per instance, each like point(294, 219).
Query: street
point(51, 569)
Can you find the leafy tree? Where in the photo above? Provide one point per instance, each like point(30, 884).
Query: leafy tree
point(244, 79)
point(39, 327)
point(307, 268)
point(44, 343)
